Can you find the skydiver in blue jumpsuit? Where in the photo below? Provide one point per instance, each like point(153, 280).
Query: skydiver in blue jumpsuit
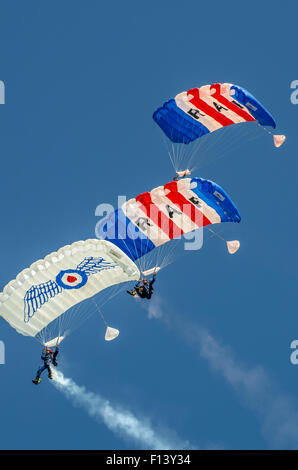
point(143, 289)
point(49, 357)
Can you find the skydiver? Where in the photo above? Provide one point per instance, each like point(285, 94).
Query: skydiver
point(181, 174)
point(49, 357)
point(143, 289)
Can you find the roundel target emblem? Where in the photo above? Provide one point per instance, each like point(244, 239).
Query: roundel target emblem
point(71, 279)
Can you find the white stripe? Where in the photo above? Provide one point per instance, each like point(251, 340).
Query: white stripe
point(181, 220)
point(208, 211)
point(133, 212)
point(205, 95)
point(182, 101)
point(226, 91)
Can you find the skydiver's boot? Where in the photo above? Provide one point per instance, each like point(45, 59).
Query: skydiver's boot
point(50, 375)
point(132, 292)
point(37, 380)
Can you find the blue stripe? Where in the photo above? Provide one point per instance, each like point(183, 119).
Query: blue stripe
point(178, 126)
point(118, 229)
point(260, 113)
point(226, 209)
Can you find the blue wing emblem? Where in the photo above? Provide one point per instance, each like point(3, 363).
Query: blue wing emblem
point(37, 296)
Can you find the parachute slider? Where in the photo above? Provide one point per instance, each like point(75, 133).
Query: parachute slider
point(183, 173)
point(151, 271)
point(111, 333)
point(278, 140)
point(54, 342)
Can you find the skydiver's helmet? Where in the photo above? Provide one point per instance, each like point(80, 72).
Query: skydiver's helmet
point(47, 350)
point(145, 280)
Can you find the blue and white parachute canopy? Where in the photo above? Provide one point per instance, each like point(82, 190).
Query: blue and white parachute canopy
point(155, 218)
point(51, 286)
point(200, 111)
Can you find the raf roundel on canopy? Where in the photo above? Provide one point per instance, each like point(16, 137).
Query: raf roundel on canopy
point(52, 286)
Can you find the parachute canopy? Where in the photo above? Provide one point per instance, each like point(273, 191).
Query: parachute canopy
point(155, 218)
point(51, 286)
point(199, 111)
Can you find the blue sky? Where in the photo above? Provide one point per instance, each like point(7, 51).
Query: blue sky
point(82, 80)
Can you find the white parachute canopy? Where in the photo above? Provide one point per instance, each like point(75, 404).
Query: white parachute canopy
point(51, 286)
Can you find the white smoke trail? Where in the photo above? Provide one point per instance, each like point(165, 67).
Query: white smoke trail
point(154, 308)
point(276, 410)
point(118, 420)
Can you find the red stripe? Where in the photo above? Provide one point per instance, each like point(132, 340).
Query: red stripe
point(232, 106)
point(185, 205)
point(157, 216)
point(202, 106)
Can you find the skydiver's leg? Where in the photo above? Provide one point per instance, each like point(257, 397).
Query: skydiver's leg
point(37, 379)
point(40, 371)
point(55, 363)
point(50, 374)
point(150, 292)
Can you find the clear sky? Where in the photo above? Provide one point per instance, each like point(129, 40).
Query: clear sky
point(82, 79)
